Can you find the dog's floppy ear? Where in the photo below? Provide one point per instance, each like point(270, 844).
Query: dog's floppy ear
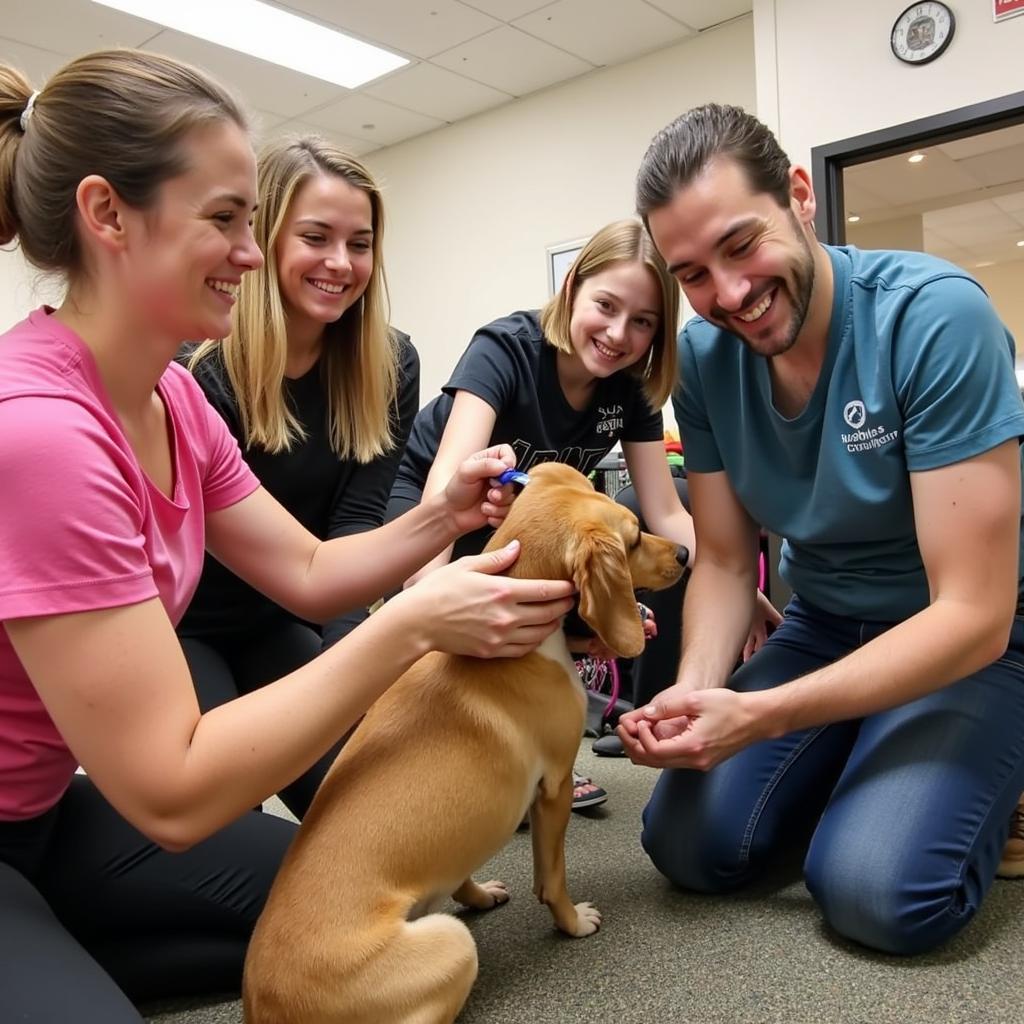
point(601, 574)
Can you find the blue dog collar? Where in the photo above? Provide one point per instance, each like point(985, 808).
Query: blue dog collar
point(513, 476)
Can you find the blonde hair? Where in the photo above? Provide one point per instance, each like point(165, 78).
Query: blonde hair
point(360, 355)
point(622, 241)
point(120, 114)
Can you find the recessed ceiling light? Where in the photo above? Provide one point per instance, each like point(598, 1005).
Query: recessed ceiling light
point(915, 158)
point(271, 34)
point(853, 218)
point(1020, 244)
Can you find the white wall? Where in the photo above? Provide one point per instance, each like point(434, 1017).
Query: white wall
point(825, 71)
point(22, 287)
point(472, 207)
point(1004, 283)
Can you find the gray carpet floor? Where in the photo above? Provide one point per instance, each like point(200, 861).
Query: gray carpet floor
point(663, 955)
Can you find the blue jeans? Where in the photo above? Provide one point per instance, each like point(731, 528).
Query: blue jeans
point(906, 811)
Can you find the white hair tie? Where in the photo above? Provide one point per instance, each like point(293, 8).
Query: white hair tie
point(27, 112)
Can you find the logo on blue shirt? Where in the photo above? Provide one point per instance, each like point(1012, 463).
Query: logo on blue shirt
point(854, 414)
point(864, 439)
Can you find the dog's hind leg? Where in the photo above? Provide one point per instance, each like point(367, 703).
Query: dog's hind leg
point(421, 976)
point(549, 818)
point(481, 895)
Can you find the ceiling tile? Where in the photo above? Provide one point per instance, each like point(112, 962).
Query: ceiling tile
point(437, 92)
point(1012, 203)
point(901, 182)
point(357, 147)
point(950, 216)
point(512, 61)
point(701, 14)
point(976, 232)
point(37, 65)
point(260, 84)
point(986, 142)
point(998, 167)
point(407, 25)
point(506, 10)
point(603, 31)
point(390, 124)
point(72, 26)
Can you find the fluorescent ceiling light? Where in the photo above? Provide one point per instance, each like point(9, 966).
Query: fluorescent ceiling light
point(270, 34)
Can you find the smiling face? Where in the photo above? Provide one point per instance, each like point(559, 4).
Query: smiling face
point(192, 246)
point(615, 317)
point(743, 261)
point(324, 252)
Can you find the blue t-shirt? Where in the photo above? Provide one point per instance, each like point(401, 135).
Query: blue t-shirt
point(918, 374)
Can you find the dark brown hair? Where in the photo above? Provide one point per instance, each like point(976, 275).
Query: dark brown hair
point(683, 149)
point(121, 114)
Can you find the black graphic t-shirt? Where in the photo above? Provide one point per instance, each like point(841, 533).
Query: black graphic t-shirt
point(512, 367)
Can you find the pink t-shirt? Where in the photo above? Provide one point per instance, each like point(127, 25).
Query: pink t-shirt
point(82, 527)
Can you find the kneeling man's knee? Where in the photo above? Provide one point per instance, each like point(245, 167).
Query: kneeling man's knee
point(894, 911)
point(691, 850)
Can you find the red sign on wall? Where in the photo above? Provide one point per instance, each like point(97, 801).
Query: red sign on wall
point(1006, 9)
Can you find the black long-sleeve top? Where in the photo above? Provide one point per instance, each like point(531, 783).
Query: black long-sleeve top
point(330, 496)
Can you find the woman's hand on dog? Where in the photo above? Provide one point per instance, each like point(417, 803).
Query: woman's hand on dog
point(469, 609)
point(473, 495)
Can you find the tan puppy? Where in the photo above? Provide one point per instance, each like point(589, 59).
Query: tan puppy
point(435, 781)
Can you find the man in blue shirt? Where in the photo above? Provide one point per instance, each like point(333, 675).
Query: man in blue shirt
point(863, 406)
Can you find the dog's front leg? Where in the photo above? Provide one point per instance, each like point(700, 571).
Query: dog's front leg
point(549, 818)
point(481, 895)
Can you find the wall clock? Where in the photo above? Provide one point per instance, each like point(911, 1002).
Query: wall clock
point(922, 32)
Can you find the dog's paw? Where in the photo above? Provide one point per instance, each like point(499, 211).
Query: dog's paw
point(588, 920)
point(481, 895)
point(496, 891)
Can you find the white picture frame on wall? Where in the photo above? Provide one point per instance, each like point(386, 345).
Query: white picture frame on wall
point(560, 259)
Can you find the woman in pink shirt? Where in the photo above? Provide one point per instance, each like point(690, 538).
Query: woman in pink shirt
point(133, 176)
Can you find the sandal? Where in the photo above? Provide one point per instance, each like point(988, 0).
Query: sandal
point(585, 794)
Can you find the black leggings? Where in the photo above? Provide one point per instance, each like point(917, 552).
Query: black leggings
point(94, 917)
point(233, 664)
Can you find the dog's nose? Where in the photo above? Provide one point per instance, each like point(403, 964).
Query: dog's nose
point(682, 555)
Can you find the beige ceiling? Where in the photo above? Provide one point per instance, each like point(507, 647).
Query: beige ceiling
point(969, 195)
point(466, 55)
